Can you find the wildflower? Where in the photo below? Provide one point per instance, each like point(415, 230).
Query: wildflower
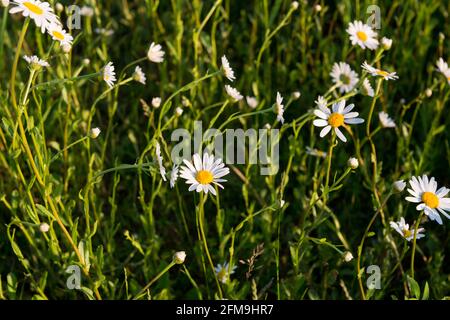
point(59, 7)
point(173, 175)
point(367, 88)
point(344, 77)
point(159, 158)
point(138, 75)
point(321, 102)
point(109, 76)
point(403, 229)
point(44, 227)
point(294, 5)
point(353, 163)
point(223, 272)
point(378, 72)
point(35, 62)
point(104, 32)
point(5, 3)
point(227, 70)
point(40, 12)
point(428, 92)
point(431, 201)
point(155, 53)
point(252, 102)
point(202, 174)
point(443, 68)
point(233, 93)
point(348, 256)
point(178, 111)
point(387, 43)
point(57, 33)
point(296, 95)
point(315, 152)
point(86, 11)
point(339, 116)
point(362, 35)
point(318, 8)
point(95, 132)
point(278, 108)
point(385, 120)
point(399, 185)
point(179, 257)
point(156, 102)
point(86, 62)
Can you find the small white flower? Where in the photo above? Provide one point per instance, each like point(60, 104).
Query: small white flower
point(86, 62)
point(321, 102)
point(40, 12)
point(59, 34)
point(353, 163)
point(104, 32)
point(227, 70)
point(95, 132)
point(428, 92)
point(267, 126)
point(385, 120)
point(318, 7)
point(387, 43)
point(252, 102)
point(66, 48)
point(378, 72)
point(173, 175)
point(139, 75)
point(443, 68)
point(201, 175)
point(179, 257)
point(282, 203)
point(109, 76)
point(399, 185)
point(431, 200)
point(362, 34)
point(155, 53)
point(35, 62)
point(59, 7)
point(296, 94)
point(5, 3)
point(233, 93)
point(178, 111)
point(278, 108)
point(44, 227)
point(339, 116)
point(86, 11)
point(367, 89)
point(315, 152)
point(294, 5)
point(159, 158)
point(403, 229)
point(223, 272)
point(344, 77)
point(348, 256)
point(156, 102)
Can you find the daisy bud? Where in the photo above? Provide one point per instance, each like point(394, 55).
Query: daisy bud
point(179, 257)
point(441, 36)
point(44, 227)
point(267, 126)
point(428, 92)
point(282, 203)
point(59, 7)
point(399, 185)
point(156, 102)
point(87, 11)
point(294, 5)
point(353, 163)
point(86, 62)
point(296, 95)
point(95, 132)
point(178, 111)
point(66, 48)
point(318, 7)
point(348, 256)
point(185, 102)
point(386, 42)
point(5, 3)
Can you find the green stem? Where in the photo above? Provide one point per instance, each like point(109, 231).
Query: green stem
point(154, 280)
point(413, 254)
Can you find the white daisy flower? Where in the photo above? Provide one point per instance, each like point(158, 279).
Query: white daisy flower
point(278, 108)
point(367, 89)
point(336, 118)
point(57, 33)
point(399, 185)
point(362, 34)
point(252, 102)
point(321, 102)
point(431, 200)
point(227, 70)
point(41, 12)
point(378, 72)
point(344, 77)
point(223, 272)
point(35, 62)
point(139, 75)
point(173, 175)
point(201, 175)
point(443, 68)
point(403, 229)
point(156, 102)
point(155, 53)
point(315, 152)
point(159, 158)
point(233, 93)
point(387, 43)
point(385, 120)
point(109, 76)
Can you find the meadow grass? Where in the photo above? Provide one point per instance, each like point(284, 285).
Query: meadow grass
point(320, 228)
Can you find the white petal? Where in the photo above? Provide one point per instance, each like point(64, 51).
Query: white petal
point(325, 131)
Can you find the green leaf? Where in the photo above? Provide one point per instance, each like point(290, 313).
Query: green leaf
point(414, 287)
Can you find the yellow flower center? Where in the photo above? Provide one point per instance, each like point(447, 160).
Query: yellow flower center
point(345, 79)
point(382, 73)
point(336, 120)
point(204, 177)
point(33, 8)
point(362, 36)
point(58, 35)
point(407, 233)
point(430, 199)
